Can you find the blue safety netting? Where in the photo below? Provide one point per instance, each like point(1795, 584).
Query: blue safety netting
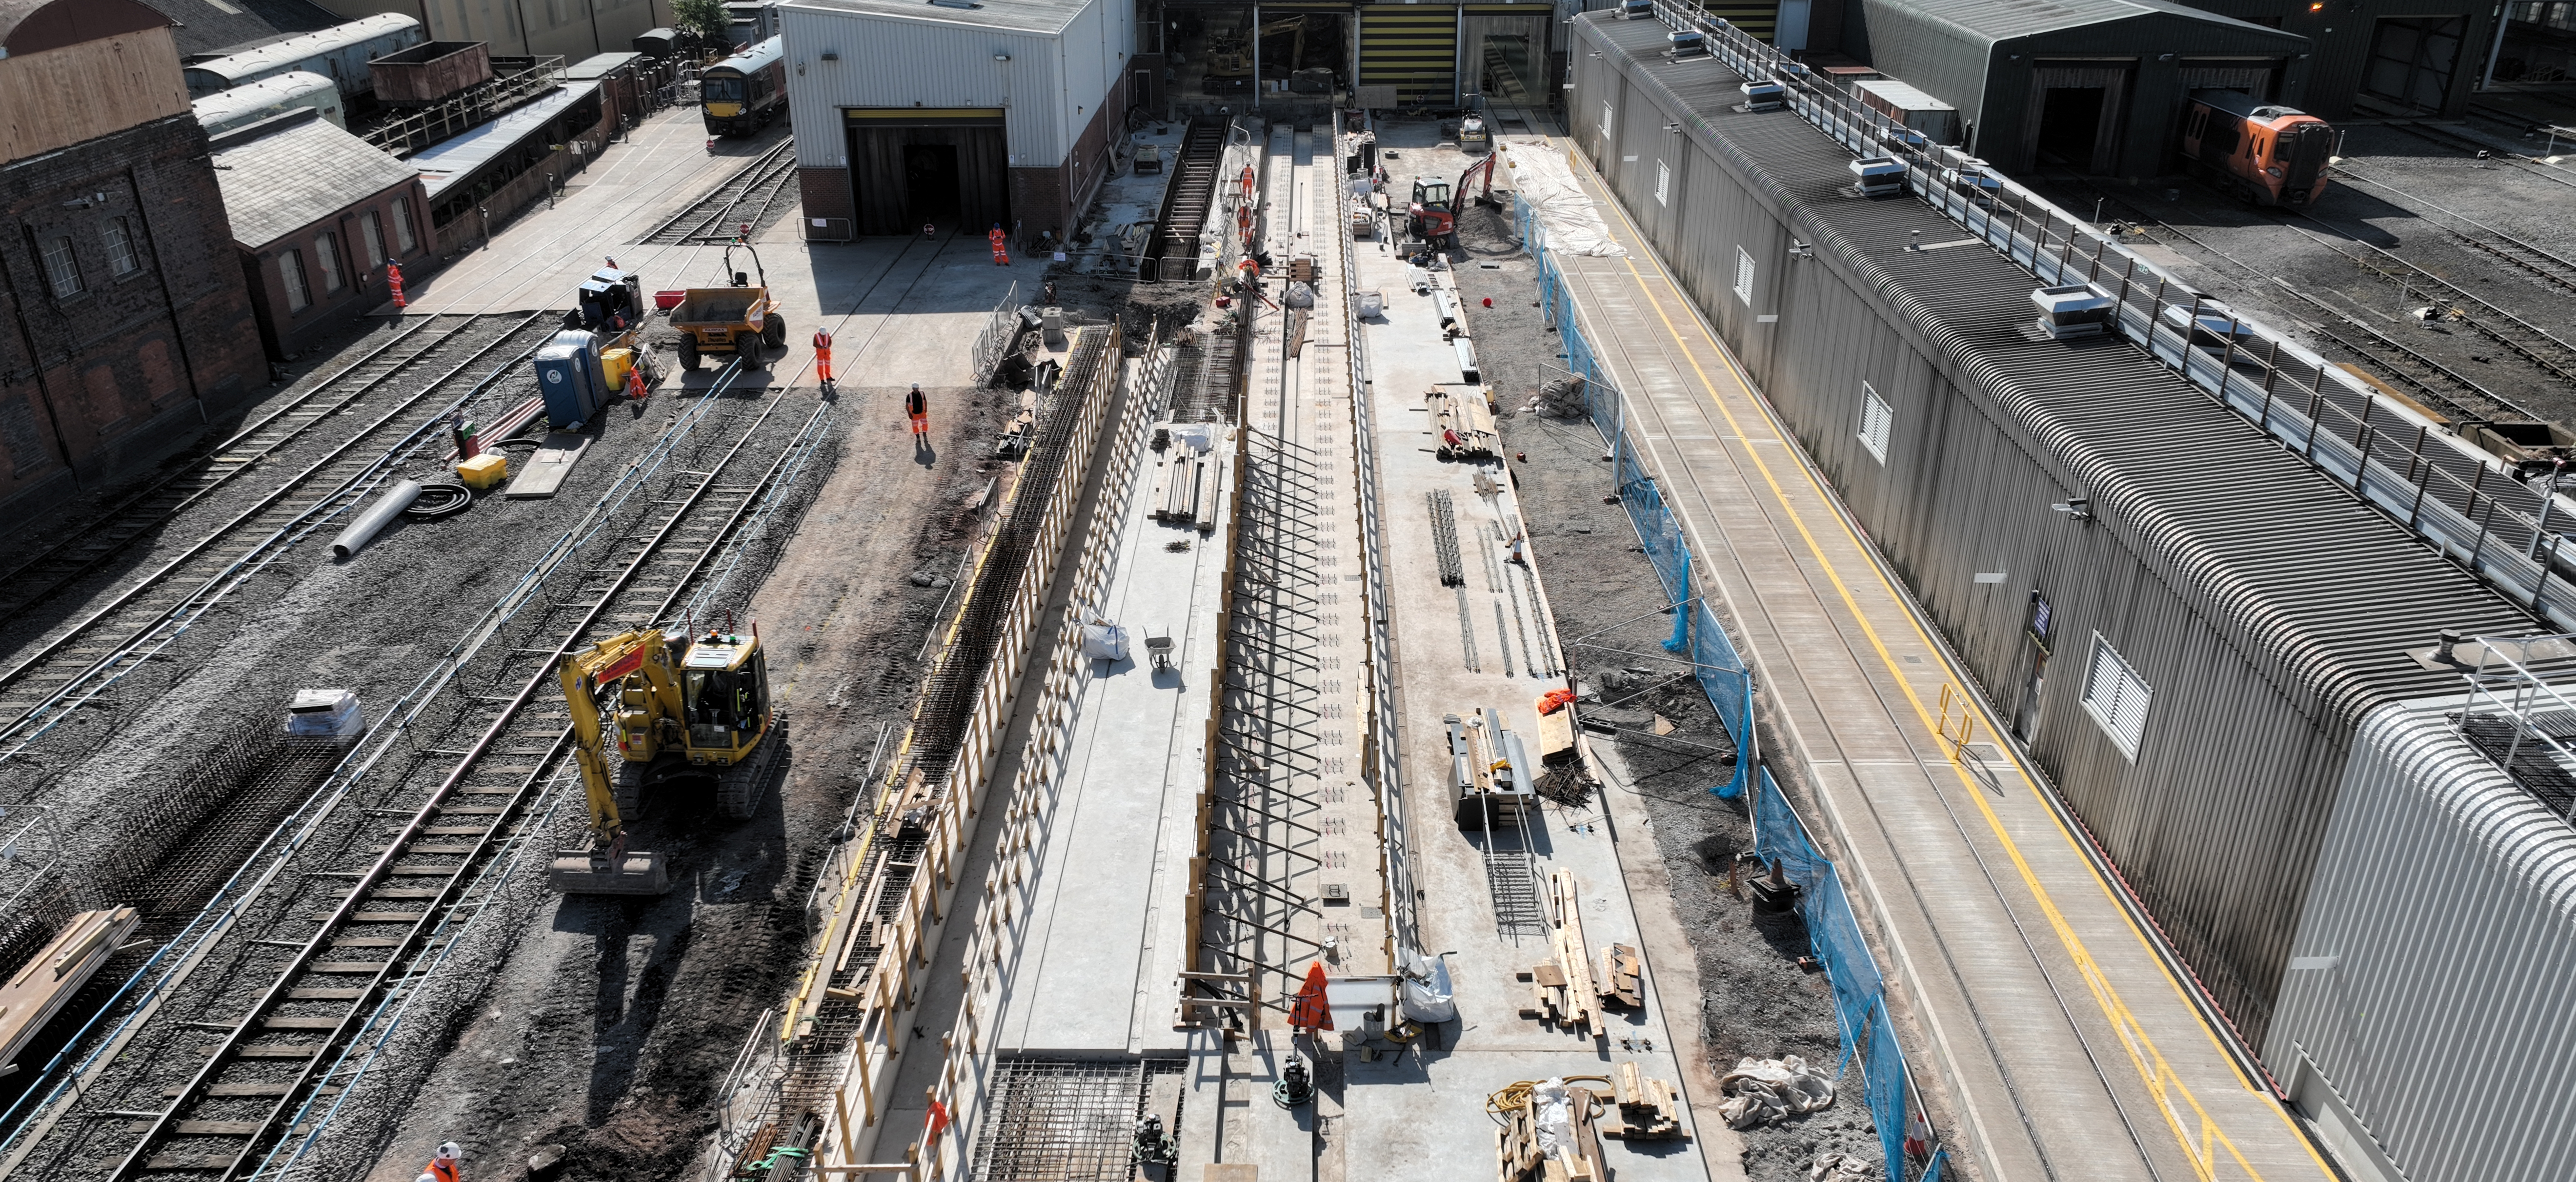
point(1781, 837)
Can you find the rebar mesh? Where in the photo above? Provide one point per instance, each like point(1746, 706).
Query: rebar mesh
point(1052, 1120)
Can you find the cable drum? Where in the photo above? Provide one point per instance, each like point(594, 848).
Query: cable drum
point(441, 498)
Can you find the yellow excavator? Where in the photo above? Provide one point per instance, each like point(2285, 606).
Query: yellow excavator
point(689, 712)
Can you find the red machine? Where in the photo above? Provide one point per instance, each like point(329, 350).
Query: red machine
point(1433, 214)
point(2266, 153)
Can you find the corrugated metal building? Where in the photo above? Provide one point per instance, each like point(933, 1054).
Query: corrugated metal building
point(2097, 85)
point(909, 112)
point(2251, 613)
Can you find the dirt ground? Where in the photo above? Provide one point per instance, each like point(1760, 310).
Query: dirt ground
point(1611, 620)
point(572, 1039)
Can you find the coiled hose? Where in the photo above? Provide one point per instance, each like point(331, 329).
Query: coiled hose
point(440, 498)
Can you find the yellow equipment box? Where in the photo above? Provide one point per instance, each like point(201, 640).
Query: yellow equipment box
point(613, 365)
point(483, 471)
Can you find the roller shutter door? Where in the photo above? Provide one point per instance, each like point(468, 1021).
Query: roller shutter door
point(1412, 52)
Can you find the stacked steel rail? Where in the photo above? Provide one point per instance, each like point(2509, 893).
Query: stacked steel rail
point(1186, 202)
point(747, 197)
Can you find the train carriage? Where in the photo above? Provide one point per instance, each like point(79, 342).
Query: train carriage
point(742, 93)
point(2264, 152)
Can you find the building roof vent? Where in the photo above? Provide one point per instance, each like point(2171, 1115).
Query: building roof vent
point(1687, 43)
point(1879, 176)
point(2073, 311)
point(1764, 96)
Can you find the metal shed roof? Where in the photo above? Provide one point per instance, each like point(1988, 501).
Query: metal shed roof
point(278, 181)
point(443, 164)
point(600, 65)
point(2195, 482)
point(2003, 20)
point(1024, 16)
point(304, 46)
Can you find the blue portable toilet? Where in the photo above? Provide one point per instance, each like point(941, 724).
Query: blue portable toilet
point(568, 378)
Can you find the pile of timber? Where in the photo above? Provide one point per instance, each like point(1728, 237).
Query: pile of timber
point(1648, 1109)
point(1563, 991)
point(1185, 487)
point(46, 984)
point(1518, 1158)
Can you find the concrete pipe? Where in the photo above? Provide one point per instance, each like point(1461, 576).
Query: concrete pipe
point(375, 519)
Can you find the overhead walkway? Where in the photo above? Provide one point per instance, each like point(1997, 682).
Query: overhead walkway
point(2058, 1041)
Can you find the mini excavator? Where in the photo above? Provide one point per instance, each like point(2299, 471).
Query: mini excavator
point(689, 712)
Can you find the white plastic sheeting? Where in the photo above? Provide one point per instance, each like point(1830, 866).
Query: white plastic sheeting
point(1767, 1091)
point(1574, 224)
point(1426, 987)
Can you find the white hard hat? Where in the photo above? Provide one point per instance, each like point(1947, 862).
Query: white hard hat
point(448, 1150)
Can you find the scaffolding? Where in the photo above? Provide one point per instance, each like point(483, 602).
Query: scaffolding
point(2520, 712)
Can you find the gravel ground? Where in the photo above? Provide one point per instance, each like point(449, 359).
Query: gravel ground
point(1754, 1001)
point(570, 1038)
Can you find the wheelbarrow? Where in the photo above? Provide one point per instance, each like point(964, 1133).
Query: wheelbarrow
point(1160, 649)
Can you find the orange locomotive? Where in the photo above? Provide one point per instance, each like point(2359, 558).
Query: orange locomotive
point(2264, 152)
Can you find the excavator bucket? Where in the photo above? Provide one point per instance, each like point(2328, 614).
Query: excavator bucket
point(593, 872)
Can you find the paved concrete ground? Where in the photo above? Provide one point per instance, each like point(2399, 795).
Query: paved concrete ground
point(900, 310)
point(2065, 1046)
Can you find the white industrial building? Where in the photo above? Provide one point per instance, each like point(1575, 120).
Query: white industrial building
point(955, 113)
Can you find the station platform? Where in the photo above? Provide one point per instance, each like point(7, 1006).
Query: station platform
point(2059, 1040)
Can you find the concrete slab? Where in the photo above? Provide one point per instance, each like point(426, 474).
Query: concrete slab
point(546, 470)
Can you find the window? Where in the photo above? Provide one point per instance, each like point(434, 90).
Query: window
point(1663, 183)
point(372, 228)
point(1875, 419)
point(1744, 276)
point(404, 233)
point(61, 269)
point(326, 251)
point(290, 267)
point(121, 260)
point(1606, 110)
point(2116, 697)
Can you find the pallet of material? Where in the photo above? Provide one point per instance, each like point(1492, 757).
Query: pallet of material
point(41, 989)
point(1185, 485)
point(1463, 422)
point(1518, 1158)
point(1647, 1109)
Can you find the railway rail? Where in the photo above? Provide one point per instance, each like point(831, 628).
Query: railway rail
point(2545, 265)
point(79, 659)
point(355, 889)
point(51, 568)
point(2525, 339)
point(748, 197)
point(1186, 202)
point(2457, 394)
point(2491, 152)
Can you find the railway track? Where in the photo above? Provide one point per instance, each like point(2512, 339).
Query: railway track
point(2494, 152)
point(233, 1061)
point(2550, 267)
point(1186, 202)
point(51, 568)
point(77, 660)
point(2525, 339)
point(748, 197)
point(2455, 393)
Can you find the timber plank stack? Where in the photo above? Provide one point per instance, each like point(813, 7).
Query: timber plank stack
point(41, 989)
point(1517, 1157)
point(1621, 979)
point(1647, 1109)
point(1563, 990)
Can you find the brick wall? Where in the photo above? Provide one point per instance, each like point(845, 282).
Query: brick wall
point(826, 195)
point(287, 332)
point(99, 382)
point(1052, 198)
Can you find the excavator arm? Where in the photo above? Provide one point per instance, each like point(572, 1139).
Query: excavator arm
point(584, 675)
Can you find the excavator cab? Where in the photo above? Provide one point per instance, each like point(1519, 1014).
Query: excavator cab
point(1429, 217)
point(690, 713)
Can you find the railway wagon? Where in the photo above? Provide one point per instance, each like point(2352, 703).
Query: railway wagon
point(339, 53)
point(2266, 153)
point(742, 93)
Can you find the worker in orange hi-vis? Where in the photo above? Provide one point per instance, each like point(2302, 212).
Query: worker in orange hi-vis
point(443, 1167)
point(1001, 256)
point(917, 405)
point(823, 355)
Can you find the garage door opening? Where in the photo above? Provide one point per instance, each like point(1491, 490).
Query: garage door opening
point(912, 166)
point(2411, 60)
point(2069, 119)
point(930, 178)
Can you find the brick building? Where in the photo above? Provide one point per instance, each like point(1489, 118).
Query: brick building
point(317, 215)
point(124, 323)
